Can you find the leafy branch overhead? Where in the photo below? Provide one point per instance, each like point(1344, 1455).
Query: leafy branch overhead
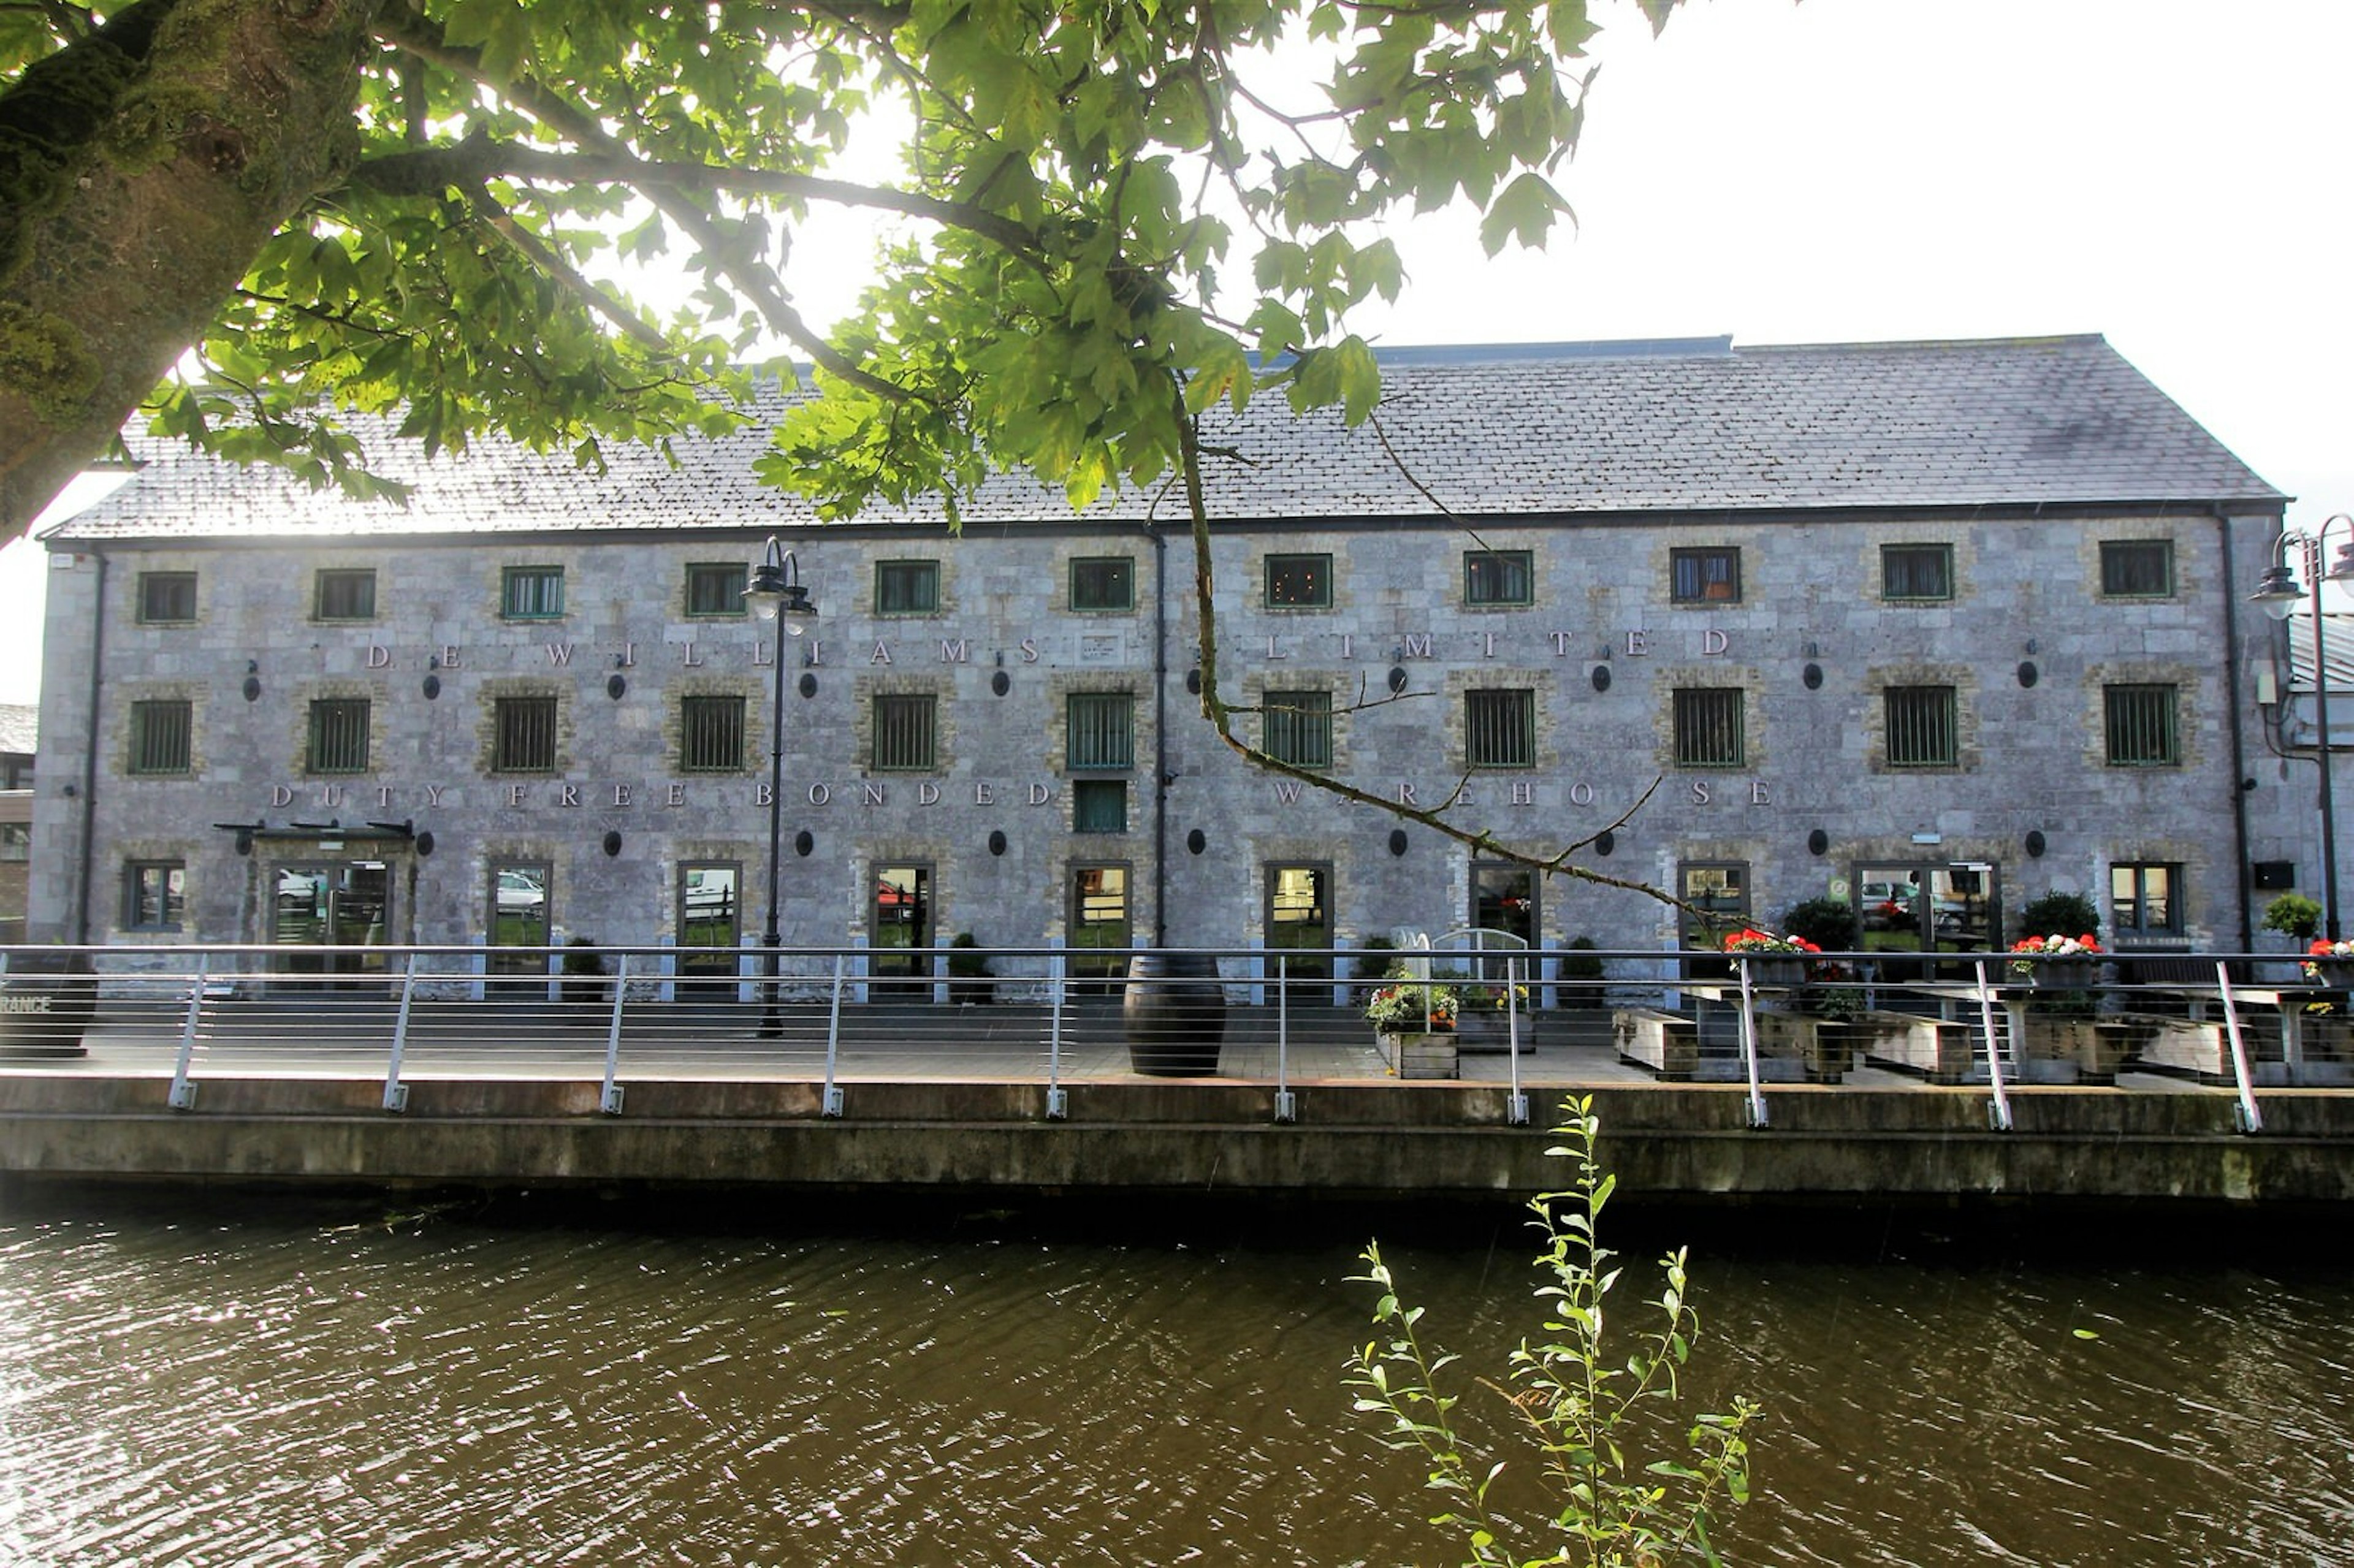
point(438, 208)
point(249, 217)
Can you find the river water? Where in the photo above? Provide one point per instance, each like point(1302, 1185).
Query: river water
point(232, 1382)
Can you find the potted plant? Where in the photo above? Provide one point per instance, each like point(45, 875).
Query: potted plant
point(584, 972)
point(1770, 959)
point(2293, 915)
point(969, 981)
point(1487, 1012)
point(1580, 975)
point(1414, 1021)
point(2331, 963)
point(2057, 963)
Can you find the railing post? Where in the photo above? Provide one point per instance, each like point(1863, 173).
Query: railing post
point(609, 1101)
point(396, 1093)
point(1058, 1100)
point(1517, 1107)
point(1286, 1105)
point(184, 1091)
point(1749, 1043)
point(1999, 1113)
point(830, 1103)
point(2250, 1119)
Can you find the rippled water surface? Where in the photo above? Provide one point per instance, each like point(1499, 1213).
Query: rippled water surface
point(326, 1385)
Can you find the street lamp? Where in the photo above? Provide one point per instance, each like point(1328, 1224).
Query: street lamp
point(2278, 593)
point(775, 593)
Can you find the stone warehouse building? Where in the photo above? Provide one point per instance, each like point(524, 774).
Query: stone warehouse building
point(1933, 627)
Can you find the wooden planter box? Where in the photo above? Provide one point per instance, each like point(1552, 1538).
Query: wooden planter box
point(1941, 1050)
point(1419, 1055)
point(1822, 1046)
point(1478, 1031)
point(1666, 1043)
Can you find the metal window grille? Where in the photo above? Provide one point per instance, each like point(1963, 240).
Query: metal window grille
point(339, 735)
point(344, 594)
point(2142, 728)
point(907, 587)
point(160, 733)
point(525, 738)
point(1916, 571)
point(1099, 806)
point(1498, 577)
point(716, 589)
point(710, 734)
point(1299, 728)
point(168, 597)
point(1100, 729)
point(2138, 568)
point(531, 593)
point(1300, 582)
point(906, 727)
point(1923, 727)
point(1103, 582)
point(1713, 572)
point(1499, 728)
point(1709, 724)
point(155, 895)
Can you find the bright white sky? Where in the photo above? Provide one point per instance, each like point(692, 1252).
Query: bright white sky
point(2173, 174)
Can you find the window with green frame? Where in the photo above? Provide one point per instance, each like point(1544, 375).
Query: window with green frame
point(531, 593)
point(1103, 582)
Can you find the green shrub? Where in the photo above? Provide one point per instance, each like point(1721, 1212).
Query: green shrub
point(2059, 915)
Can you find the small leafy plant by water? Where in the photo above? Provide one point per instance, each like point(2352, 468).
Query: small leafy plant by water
point(1586, 1421)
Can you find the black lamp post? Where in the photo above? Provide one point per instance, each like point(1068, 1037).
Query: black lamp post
point(775, 593)
point(2279, 594)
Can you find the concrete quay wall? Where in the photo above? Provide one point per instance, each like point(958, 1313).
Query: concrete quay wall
point(1433, 1141)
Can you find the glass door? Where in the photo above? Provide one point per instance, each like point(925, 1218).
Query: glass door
point(1927, 908)
point(710, 922)
point(323, 905)
point(1099, 920)
point(900, 924)
point(1299, 917)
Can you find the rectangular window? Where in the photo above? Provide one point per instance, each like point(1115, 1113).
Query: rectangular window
point(343, 593)
point(155, 895)
point(339, 735)
point(2142, 731)
point(167, 599)
point(160, 732)
point(1296, 727)
point(714, 587)
point(1100, 730)
point(2143, 902)
point(1499, 728)
point(2138, 568)
point(525, 738)
point(1299, 916)
point(1300, 582)
point(710, 917)
point(710, 734)
point(904, 727)
point(1923, 727)
point(1498, 577)
point(1103, 582)
point(1098, 916)
point(907, 587)
point(1916, 571)
point(519, 915)
point(1099, 806)
point(531, 593)
point(1710, 574)
point(1715, 895)
point(1709, 722)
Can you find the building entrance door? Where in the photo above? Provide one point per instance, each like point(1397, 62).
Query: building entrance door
point(1904, 907)
point(901, 926)
point(320, 906)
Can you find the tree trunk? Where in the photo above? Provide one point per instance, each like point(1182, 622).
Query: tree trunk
point(145, 166)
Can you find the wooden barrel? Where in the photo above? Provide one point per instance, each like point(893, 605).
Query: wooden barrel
point(1175, 1014)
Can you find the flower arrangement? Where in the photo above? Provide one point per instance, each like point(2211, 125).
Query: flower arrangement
point(2325, 951)
point(2027, 949)
point(1400, 1005)
point(1749, 939)
point(1490, 997)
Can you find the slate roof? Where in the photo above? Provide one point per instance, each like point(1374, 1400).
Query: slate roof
point(1648, 428)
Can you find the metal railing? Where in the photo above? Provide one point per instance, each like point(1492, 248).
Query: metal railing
point(2227, 1022)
